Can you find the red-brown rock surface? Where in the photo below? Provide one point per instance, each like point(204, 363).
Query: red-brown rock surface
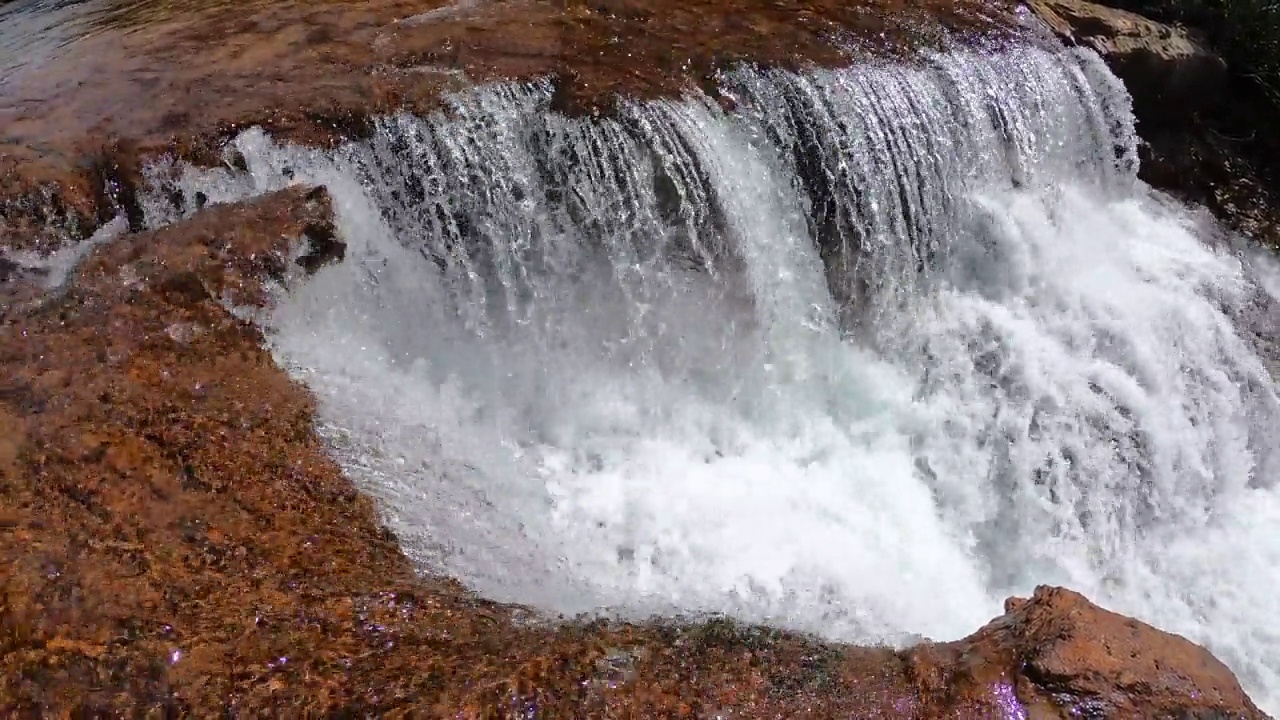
point(1171, 73)
point(1064, 657)
point(174, 538)
point(159, 80)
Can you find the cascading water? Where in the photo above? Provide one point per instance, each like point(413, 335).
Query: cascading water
point(862, 358)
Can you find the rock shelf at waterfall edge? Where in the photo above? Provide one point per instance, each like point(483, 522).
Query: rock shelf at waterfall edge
point(158, 81)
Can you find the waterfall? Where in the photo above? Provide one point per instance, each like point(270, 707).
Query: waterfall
point(862, 357)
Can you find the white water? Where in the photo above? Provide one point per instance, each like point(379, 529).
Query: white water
point(591, 365)
point(55, 268)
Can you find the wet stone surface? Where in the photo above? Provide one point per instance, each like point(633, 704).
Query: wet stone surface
point(136, 80)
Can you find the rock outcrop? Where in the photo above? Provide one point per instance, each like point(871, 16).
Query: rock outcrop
point(1207, 132)
point(174, 538)
point(1171, 73)
point(1063, 657)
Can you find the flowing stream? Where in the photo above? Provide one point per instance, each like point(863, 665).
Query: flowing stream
point(876, 350)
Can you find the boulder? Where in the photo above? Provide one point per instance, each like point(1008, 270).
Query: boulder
point(1057, 655)
point(1170, 72)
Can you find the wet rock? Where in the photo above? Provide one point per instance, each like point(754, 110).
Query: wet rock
point(1057, 655)
point(1206, 130)
point(8, 269)
point(323, 247)
point(181, 83)
point(1171, 73)
point(42, 202)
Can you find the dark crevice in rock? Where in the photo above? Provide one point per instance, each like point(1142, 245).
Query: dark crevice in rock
point(115, 180)
point(323, 247)
point(8, 269)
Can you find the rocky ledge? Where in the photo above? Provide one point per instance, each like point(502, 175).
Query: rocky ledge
point(180, 82)
point(174, 538)
point(1206, 128)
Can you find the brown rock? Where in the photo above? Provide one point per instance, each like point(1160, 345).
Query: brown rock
point(175, 539)
point(181, 78)
point(42, 201)
point(1169, 71)
point(1067, 658)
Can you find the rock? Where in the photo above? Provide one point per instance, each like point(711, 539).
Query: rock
point(77, 127)
point(1061, 656)
point(1207, 135)
point(42, 202)
point(1170, 72)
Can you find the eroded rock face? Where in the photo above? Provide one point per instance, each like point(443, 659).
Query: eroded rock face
point(1170, 73)
point(174, 537)
point(1207, 131)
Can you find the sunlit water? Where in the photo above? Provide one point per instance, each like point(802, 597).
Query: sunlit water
point(877, 351)
point(34, 32)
